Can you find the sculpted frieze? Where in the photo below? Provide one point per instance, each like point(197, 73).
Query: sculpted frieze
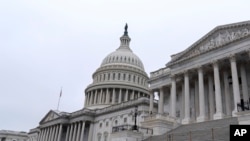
point(218, 39)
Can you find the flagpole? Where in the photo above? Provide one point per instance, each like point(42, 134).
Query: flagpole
point(59, 99)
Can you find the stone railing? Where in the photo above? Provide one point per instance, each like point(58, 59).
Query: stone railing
point(162, 71)
point(122, 105)
point(131, 128)
point(165, 117)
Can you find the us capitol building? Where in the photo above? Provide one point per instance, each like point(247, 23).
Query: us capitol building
point(204, 88)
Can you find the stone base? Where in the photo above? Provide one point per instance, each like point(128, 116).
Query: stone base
point(186, 121)
point(126, 136)
point(160, 124)
point(218, 116)
point(235, 113)
point(244, 117)
point(201, 119)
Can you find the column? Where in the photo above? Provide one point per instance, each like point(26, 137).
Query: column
point(107, 96)
point(82, 131)
point(201, 96)
point(126, 95)
point(236, 88)
point(161, 100)
point(151, 104)
point(218, 101)
point(44, 134)
point(244, 82)
point(60, 133)
point(70, 132)
point(90, 132)
point(78, 131)
point(74, 131)
point(186, 120)
point(133, 95)
point(52, 133)
point(57, 133)
point(182, 101)
point(100, 97)
point(211, 96)
point(95, 99)
point(85, 101)
point(196, 99)
point(227, 93)
point(113, 96)
point(49, 134)
point(67, 133)
point(39, 135)
point(91, 97)
point(120, 96)
point(173, 96)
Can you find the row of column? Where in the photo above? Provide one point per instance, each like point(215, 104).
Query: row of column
point(107, 96)
point(75, 131)
point(120, 76)
point(52, 133)
point(218, 96)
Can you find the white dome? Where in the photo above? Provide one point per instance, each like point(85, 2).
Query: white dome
point(123, 56)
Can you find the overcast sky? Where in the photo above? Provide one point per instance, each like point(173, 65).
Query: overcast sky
point(46, 44)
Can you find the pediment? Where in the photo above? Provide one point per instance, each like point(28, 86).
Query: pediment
point(51, 115)
point(218, 37)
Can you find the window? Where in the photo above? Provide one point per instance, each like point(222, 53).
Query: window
point(107, 124)
point(119, 75)
point(100, 125)
point(99, 136)
point(116, 122)
point(106, 136)
point(125, 120)
point(124, 76)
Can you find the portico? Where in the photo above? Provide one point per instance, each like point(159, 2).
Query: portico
point(208, 80)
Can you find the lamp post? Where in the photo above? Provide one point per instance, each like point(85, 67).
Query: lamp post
point(135, 116)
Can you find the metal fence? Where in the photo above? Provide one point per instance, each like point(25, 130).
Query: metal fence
point(131, 127)
point(213, 134)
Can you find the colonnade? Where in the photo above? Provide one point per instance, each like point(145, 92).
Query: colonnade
point(111, 96)
point(215, 87)
point(51, 133)
point(74, 132)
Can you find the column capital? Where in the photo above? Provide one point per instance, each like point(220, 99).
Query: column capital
point(172, 76)
point(214, 62)
point(232, 58)
point(199, 67)
point(185, 72)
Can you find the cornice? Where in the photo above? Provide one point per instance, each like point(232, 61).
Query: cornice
point(198, 47)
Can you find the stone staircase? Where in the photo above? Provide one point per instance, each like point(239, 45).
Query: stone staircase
point(214, 130)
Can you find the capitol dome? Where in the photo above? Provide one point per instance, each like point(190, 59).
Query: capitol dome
point(120, 78)
point(123, 56)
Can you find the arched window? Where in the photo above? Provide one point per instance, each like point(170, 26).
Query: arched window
point(129, 77)
point(106, 136)
point(99, 136)
point(124, 76)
